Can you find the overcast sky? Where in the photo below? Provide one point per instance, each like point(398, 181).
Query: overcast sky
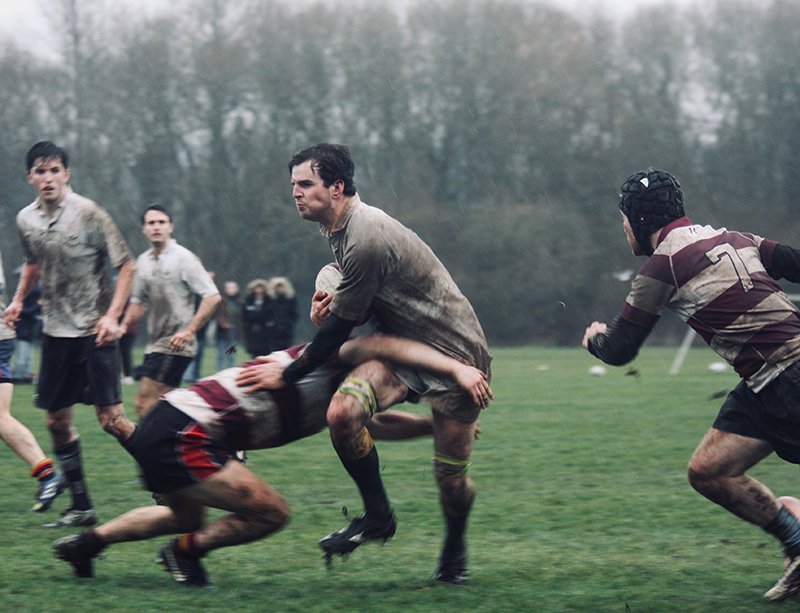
point(26, 20)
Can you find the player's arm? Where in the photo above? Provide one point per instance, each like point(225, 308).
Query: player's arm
point(270, 375)
point(203, 313)
point(399, 425)
point(27, 280)
point(784, 263)
point(616, 343)
point(412, 353)
point(133, 315)
point(107, 325)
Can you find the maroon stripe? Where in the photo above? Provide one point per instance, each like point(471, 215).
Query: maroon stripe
point(765, 342)
point(214, 394)
point(735, 302)
point(658, 268)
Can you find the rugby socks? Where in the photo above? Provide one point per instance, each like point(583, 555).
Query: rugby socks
point(365, 472)
point(43, 470)
point(786, 528)
point(187, 545)
point(69, 456)
point(454, 538)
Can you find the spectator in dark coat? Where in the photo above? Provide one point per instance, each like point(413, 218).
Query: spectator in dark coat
point(284, 312)
point(257, 322)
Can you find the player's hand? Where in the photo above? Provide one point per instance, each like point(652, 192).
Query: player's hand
point(179, 340)
point(475, 383)
point(320, 307)
point(262, 376)
point(12, 313)
point(106, 330)
point(596, 327)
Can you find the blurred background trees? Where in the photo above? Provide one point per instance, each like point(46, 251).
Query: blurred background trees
point(499, 130)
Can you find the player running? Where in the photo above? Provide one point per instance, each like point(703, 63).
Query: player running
point(722, 283)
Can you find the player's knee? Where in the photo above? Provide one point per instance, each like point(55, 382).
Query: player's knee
point(272, 516)
point(59, 429)
point(701, 475)
point(447, 468)
point(354, 403)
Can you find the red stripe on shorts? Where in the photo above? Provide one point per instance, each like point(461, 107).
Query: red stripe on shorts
point(193, 453)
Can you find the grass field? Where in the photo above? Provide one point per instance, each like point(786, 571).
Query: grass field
point(583, 505)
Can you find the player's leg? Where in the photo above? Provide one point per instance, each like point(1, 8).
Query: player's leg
point(399, 425)
point(67, 447)
point(138, 524)
point(161, 372)
point(22, 442)
point(256, 510)
point(453, 440)
point(718, 471)
point(368, 389)
point(148, 394)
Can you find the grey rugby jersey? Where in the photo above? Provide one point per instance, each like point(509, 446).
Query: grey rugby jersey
point(167, 283)
point(76, 250)
point(387, 267)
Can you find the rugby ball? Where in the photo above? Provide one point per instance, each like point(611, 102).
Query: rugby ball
point(328, 278)
point(597, 370)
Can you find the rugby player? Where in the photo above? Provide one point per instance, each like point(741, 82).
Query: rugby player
point(185, 445)
point(723, 284)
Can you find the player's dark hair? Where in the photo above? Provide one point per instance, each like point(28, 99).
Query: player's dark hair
point(46, 150)
point(159, 208)
point(332, 162)
point(650, 199)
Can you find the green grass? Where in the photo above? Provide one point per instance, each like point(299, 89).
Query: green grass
point(583, 505)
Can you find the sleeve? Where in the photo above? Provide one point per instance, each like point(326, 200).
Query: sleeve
point(117, 248)
point(333, 333)
point(363, 272)
point(27, 252)
point(139, 294)
point(620, 344)
point(780, 261)
point(197, 277)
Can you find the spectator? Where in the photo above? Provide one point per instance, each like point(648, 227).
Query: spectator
point(257, 320)
point(284, 311)
point(228, 325)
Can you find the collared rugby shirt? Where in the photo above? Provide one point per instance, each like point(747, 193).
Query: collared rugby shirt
point(387, 267)
point(76, 251)
point(167, 283)
point(717, 281)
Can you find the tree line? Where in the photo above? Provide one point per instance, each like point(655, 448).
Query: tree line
point(499, 130)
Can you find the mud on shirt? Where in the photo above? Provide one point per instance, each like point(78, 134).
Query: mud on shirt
point(76, 251)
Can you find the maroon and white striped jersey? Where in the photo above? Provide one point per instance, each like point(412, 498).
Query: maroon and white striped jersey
point(716, 281)
point(263, 419)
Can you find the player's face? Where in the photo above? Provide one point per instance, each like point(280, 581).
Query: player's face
point(157, 228)
point(50, 179)
point(312, 198)
point(632, 242)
